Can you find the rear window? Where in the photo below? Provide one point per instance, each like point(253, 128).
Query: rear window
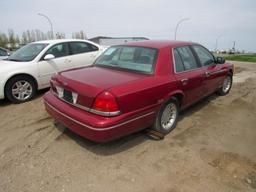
point(139, 59)
point(82, 47)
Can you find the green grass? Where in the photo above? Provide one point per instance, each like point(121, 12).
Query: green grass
point(247, 58)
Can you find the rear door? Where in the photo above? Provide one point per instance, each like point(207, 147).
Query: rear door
point(83, 53)
point(213, 73)
point(61, 62)
point(189, 74)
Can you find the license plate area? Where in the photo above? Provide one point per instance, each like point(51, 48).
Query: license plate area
point(67, 96)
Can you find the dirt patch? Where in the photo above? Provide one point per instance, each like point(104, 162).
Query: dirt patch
point(211, 149)
point(233, 166)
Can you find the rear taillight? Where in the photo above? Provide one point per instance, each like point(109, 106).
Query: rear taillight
point(105, 104)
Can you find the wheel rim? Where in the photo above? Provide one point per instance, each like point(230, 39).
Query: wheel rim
point(169, 116)
point(22, 90)
point(226, 84)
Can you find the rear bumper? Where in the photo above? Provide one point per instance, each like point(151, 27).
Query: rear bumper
point(95, 127)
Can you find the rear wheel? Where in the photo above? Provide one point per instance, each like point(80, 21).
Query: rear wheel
point(226, 86)
point(20, 89)
point(167, 117)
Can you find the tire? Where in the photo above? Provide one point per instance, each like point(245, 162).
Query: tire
point(226, 86)
point(20, 89)
point(163, 123)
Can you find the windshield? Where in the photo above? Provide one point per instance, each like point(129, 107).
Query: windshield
point(128, 57)
point(28, 52)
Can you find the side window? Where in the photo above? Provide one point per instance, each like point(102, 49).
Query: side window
point(93, 47)
point(59, 50)
point(187, 57)
point(178, 62)
point(204, 56)
point(82, 47)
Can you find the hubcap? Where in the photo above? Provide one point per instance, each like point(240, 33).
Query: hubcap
point(226, 84)
point(169, 116)
point(22, 90)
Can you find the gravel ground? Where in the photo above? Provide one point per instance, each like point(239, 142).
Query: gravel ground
point(211, 149)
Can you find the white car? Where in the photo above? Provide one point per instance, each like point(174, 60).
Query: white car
point(31, 67)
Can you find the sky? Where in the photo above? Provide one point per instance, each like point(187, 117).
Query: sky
point(209, 20)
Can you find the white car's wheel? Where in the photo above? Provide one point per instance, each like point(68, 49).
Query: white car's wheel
point(20, 89)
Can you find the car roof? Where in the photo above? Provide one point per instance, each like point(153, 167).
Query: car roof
point(54, 41)
point(158, 44)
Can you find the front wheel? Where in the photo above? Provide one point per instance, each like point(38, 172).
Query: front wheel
point(226, 85)
point(167, 117)
point(20, 89)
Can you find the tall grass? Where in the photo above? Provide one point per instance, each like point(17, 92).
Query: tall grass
point(247, 58)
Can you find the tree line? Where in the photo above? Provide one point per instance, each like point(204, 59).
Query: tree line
point(13, 41)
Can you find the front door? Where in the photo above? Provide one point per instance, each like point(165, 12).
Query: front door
point(189, 75)
point(213, 73)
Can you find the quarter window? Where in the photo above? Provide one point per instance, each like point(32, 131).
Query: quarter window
point(204, 56)
point(187, 58)
point(82, 47)
point(59, 50)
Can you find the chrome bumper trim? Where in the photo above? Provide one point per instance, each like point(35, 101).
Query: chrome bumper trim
point(94, 128)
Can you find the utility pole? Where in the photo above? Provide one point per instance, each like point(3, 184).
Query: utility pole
point(50, 22)
point(217, 40)
point(234, 45)
point(176, 28)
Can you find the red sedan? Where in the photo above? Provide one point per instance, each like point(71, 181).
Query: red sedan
point(134, 86)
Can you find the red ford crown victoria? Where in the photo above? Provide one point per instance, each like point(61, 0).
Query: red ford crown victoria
point(134, 86)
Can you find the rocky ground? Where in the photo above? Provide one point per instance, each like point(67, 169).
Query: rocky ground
point(213, 148)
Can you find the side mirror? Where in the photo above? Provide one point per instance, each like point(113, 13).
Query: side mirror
point(49, 57)
point(220, 60)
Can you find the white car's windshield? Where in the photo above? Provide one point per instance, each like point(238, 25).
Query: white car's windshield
point(134, 58)
point(28, 52)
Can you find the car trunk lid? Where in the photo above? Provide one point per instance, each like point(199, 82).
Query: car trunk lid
point(90, 81)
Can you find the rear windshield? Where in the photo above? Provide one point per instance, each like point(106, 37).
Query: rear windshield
point(138, 59)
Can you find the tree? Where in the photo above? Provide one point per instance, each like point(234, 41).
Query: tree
point(24, 38)
point(79, 35)
point(3, 40)
point(11, 38)
point(60, 35)
point(13, 41)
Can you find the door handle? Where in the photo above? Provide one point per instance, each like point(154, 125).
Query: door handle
point(67, 60)
point(184, 81)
